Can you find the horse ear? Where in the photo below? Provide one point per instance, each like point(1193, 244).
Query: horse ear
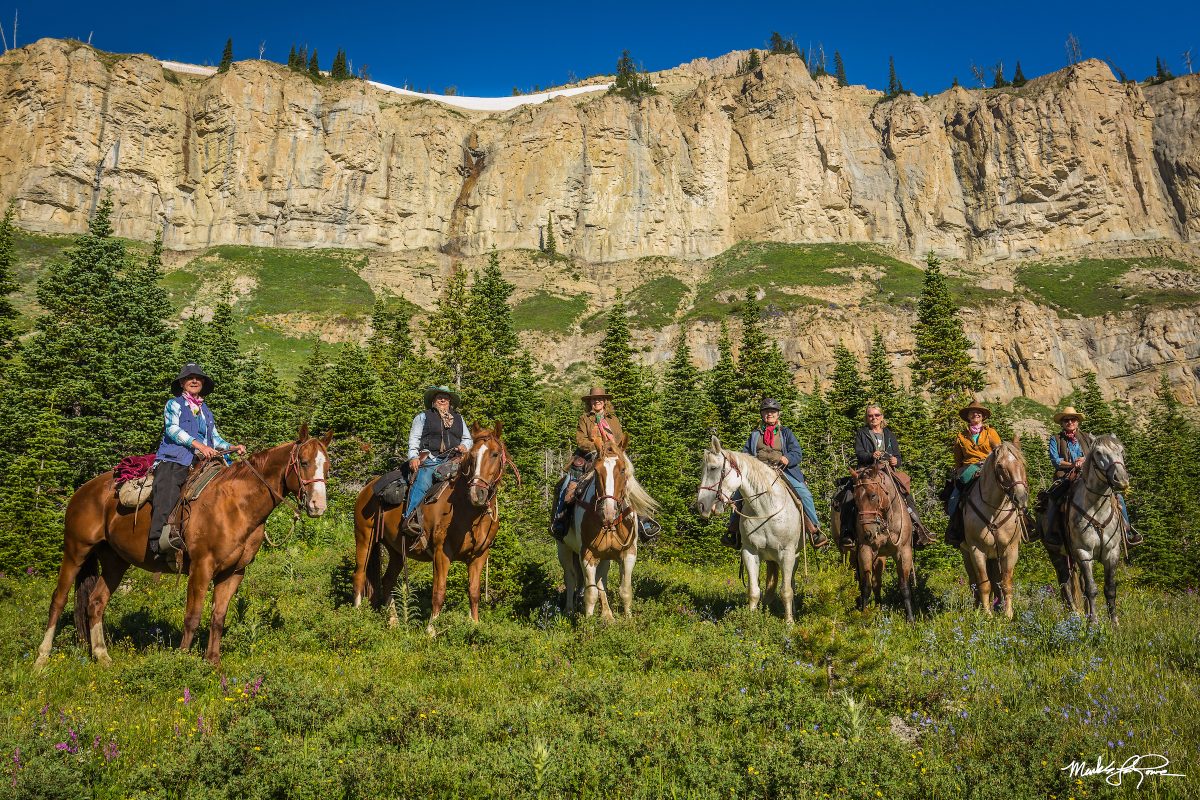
point(716, 444)
point(475, 429)
point(624, 440)
point(303, 432)
point(854, 473)
point(327, 438)
point(499, 426)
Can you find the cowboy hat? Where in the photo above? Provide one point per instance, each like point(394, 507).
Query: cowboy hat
point(974, 407)
point(595, 393)
point(189, 370)
point(769, 404)
point(431, 392)
point(1067, 413)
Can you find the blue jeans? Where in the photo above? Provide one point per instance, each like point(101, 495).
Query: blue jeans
point(802, 491)
point(421, 483)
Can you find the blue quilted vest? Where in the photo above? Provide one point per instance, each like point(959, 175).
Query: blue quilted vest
point(191, 423)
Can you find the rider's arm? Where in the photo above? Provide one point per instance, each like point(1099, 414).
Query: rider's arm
point(219, 440)
point(467, 441)
point(1055, 460)
point(414, 435)
point(171, 415)
point(890, 438)
point(581, 436)
point(864, 448)
point(791, 448)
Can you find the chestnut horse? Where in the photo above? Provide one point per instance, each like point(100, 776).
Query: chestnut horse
point(604, 529)
point(993, 524)
point(224, 529)
point(459, 526)
point(883, 528)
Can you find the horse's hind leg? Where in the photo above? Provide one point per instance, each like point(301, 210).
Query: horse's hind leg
point(383, 589)
point(1110, 583)
point(366, 559)
point(770, 583)
point(1062, 573)
point(904, 564)
point(197, 587)
point(977, 569)
point(1008, 563)
point(877, 569)
point(787, 594)
point(1089, 588)
point(223, 592)
point(112, 570)
point(74, 556)
point(753, 594)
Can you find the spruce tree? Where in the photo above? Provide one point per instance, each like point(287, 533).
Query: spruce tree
point(626, 72)
point(846, 396)
point(350, 397)
point(894, 87)
point(1099, 416)
point(338, 71)
point(839, 69)
point(881, 385)
point(263, 404)
point(723, 387)
point(8, 263)
point(998, 79)
point(685, 403)
point(551, 243)
point(36, 487)
point(314, 68)
point(1161, 73)
point(306, 393)
point(451, 327)
point(753, 62)
point(1018, 77)
point(942, 364)
point(764, 372)
point(292, 56)
point(226, 56)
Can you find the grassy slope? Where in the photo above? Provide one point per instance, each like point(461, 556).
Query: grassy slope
point(695, 696)
point(1088, 287)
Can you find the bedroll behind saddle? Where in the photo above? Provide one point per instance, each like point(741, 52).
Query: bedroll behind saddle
point(133, 478)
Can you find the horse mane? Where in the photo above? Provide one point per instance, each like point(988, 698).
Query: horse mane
point(1007, 447)
point(757, 476)
point(639, 499)
point(1106, 441)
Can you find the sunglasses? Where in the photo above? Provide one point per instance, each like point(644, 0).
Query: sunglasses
point(874, 416)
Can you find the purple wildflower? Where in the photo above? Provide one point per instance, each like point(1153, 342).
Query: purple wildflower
point(110, 751)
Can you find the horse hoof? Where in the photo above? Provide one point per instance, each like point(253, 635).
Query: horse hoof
point(40, 663)
point(103, 659)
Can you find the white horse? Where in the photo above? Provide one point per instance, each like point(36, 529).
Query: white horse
point(771, 524)
point(1094, 520)
point(604, 529)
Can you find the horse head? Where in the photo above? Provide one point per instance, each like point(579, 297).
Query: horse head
point(870, 497)
point(485, 464)
point(610, 480)
point(720, 480)
point(1108, 457)
point(307, 471)
point(1009, 466)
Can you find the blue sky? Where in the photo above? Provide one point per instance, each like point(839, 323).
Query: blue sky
point(488, 48)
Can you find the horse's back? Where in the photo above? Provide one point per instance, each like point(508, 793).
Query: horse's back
point(89, 509)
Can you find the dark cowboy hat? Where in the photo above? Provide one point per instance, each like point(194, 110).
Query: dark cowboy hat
point(975, 407)
point(188, 370)
point(433, 391)
point(769, 404)
point(595, 393)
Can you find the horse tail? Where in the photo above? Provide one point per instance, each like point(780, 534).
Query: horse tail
point(85, 582)
point(639, 499)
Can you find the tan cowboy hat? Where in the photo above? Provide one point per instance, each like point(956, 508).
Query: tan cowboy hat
point(1067, 413)
point(987, 412)
point(595, 393)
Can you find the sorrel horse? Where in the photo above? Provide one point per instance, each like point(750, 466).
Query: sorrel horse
point(604, 529)
point(772, 524)
point(883, 528)
point(459, 526)
point(1094, 521)
point(993, 524)
point(223, 532)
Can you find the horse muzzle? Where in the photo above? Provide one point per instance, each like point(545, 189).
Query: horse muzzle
point(478, 496)
point(315, 507)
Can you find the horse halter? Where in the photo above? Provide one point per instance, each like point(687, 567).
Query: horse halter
point(294, 465)
point(493, 486)
point(727, 466)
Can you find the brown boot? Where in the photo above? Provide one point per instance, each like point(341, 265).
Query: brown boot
point(733, 533)
point(819, 540)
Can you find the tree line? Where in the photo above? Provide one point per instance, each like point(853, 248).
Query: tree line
point(86, 387)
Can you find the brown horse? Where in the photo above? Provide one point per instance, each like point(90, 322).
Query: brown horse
point(459, 526)
point(224, 529)
point(883, 529)
point(604, 529)
point(993, 524)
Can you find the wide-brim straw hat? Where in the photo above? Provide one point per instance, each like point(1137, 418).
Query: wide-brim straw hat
point(191, 369)
point(595, 393)
point(975, 406)
point(1067, 413)
point(433, 391)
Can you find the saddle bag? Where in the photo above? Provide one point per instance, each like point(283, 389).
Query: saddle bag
point(134, 493)
point(445, 472)
point(394, 493)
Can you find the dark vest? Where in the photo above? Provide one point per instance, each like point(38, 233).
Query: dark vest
point(436, 437)
point(1064, 454)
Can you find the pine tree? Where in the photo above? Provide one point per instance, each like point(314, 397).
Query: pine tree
point(36, 487)
point(310, 381)
point(722, 384)
point(338, 71)
point(292, 56)
point(942, 364)
point(764, 372)
point(262, 404)
point(8, 262)
point(314, 68)
point(894, 85)
point(998, 79)
point(1098, 413)
point(626, 72)
point(684, 401)
point(226, 56)
point(551, 243)
point(846, 396)
point(350, 397)
point(451, 327)
point(753, 61)
point(839, 69)
point(1018, 77)
point(881, 385)
point(780, 45)
point(1161, 73)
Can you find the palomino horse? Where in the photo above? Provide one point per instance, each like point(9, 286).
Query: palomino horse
point(993, 524)
point(604, 529)
point(459, 526)
point(883, 529)
point(1094, 522)
point(224, 531)
point(771, 525)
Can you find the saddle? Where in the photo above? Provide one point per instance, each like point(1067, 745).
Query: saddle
point(392, 487)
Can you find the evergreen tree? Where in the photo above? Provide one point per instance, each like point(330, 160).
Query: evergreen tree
point(839, 69)
point(846, 396)
point(1161, 73)
point(292, 58)
point(350, 396)
point(339, 71)
point(722, 385)
point(753, 61)
point(226, 56)
point(1099, 414)
point(551, 243)
point(451, 327)
point(8, 262)
point(763, 370)
point(626, 72)
point(35, 494)
point(1018, 77)
point(780, 45)
point(302, 59)
point(684, 401)
point(194, 342)
point(881, 385)
point(895, 88)
point(307, 392)
point(314, 68)
point(942, 363)
point(262, 404)
point(998, 79)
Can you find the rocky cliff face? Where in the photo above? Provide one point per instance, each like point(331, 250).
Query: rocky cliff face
point(260, 155)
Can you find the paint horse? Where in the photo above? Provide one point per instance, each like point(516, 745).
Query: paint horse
point(993, 525)
point(224, 530)
point(772, 524)
point(1094, 521)
point(882, 528)
point(604, 529)
point(459, 525)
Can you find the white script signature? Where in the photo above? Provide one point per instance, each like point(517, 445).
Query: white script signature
point(1149, 764)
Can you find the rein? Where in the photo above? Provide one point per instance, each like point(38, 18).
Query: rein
point(729, 465)
point(302, 494)
point(992, 524)
point(1107, 491)
point(493, 487)
point(865, 516)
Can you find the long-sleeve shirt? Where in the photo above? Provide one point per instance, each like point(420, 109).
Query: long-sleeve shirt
point(865, 446)
point(1075, 449)
point(174, 409)
point(418, 427)
point(968, 451)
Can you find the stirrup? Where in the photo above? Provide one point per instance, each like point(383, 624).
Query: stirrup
point(819, 540)
point(1132, 537)
point(169, 542)
point(648, 529)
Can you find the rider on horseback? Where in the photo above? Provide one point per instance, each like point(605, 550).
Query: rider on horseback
point(597, 423)
point(438, 435)
point(873, 443)
point(1068, 450)
point(775, 445)
point(971, 448)
point(188, 431)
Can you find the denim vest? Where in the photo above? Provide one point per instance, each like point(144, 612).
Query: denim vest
point(190, 423)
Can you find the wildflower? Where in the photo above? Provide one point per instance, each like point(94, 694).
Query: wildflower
point(187, 695)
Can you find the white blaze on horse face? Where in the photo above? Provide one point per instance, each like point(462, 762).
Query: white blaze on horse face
point(610, 503)
point(318, 500)
point(479, 460)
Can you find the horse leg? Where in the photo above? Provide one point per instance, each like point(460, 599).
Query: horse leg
point(602, 584)
point(1110, 581)
point(978, 569)
point(864, 569)
point(591, 589)
point(770, 583)
point(74, 556)
point(1089, 587)
point(1008, 563)
point(112, 570)
point(441, 571)
point(877, 568)
point(366, 562)
point(384, 588)
point(785, 569)
point(474, 579)
point(628, 558)
point(223, 592)
point(750, 561)
point(1063, 574)
point(197, 588)
point(904, 565)
point(566, 560)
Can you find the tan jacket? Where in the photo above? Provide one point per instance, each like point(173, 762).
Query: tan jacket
point(587, 431)
point(967, 452)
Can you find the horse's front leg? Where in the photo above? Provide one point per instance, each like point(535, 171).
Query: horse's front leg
point(863, 560)
point(750, 561)
point(223, 592)
point(197, 587)
point(904, 565)
point(474, 579)
point(787, 570)
point(976, 563)
point(877, 569)
point(566, 559)
point(591, 588)
point(441, 571)
point(628, 558)
point(1110, 581)
point(1089, 585)
point(1008, 564)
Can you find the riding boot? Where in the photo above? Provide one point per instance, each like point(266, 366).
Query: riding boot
point(954, 530)
point(923, 536)
point(1052, 530)
point(1132, 537)
point(815, 535)
point(414, 523)
point(733, 534)
point(647, 529)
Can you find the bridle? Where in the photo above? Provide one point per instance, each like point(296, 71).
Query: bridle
point(491, 488)
point(294, 465)
point(1108, 490)
point(1009, 489)
point(600, 497)
point(876, 515)
point(727, 465)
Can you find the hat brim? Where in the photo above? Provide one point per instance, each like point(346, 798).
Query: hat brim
point(587, 398)
point(1060, 418)
point(963, 415)
point(430, 394)
point(205, 388)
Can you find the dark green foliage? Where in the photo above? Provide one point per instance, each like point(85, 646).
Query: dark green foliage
point(1098, 413)
point(226, 56)
point(551, 243)
point(881, 384)
point(762, 368)
point(1018, 77)
point(339, 71)
point(895, 87)
point(839, 69)
point(753, 61)
point(1161, 73)
point(998, 79)
point(722, 384)
point(781, 46)
point(954, 83)
point(306, 397)
point(35, 493)
point(314, 66)
point(8, 261)
point(293, 59)
point(351, 399)
point(629, 82)
point(847, 399)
